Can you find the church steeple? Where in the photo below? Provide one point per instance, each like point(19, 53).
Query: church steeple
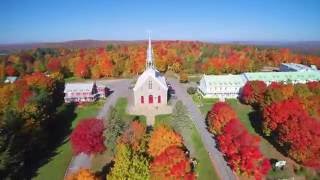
point(149, 61)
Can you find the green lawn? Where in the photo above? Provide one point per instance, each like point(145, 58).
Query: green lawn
point(74, 79)
point(193, 141)
point(194, 78)
point(121, 106)
point(57, 165)
point(243, 112)
point(203, 104)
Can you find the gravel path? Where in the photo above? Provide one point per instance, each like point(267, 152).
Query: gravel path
point(209, 142)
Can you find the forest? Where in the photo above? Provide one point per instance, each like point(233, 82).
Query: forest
point(30, 115)
point(30, 107)
point(127, 59)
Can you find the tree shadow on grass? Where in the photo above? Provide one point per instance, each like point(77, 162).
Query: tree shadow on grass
point(255, 118)
point(59, 129)
point(105, 170)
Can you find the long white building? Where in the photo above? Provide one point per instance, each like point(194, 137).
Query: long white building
point(230, 86)
point(221, 86)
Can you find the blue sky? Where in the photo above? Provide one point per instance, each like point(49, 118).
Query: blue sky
point(211, 20)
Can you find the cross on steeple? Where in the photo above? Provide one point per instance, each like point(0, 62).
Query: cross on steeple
point(149, 61)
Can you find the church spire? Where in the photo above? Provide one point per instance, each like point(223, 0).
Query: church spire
point(149, 62)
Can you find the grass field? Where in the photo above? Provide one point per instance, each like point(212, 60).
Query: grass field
point(121, 106)
point(57, 165)
point(193, 141)
point(203, 104)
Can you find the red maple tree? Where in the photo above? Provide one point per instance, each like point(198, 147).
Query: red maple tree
point(220, 114)
point(87, 136)
point(242, 150)
point(252, 92)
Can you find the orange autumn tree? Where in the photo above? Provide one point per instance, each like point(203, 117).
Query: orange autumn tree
point(171, 164)
point(104, 63)
point(162, 138)
point(220, 114)
point(134, 136)
point(81, 69)
point(82, 174)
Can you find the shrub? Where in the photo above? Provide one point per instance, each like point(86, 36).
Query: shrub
point(191, 90)
point(87, 137)
point(183, 77)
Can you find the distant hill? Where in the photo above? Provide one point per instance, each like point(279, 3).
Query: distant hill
point(66, 44)
point(309, 47)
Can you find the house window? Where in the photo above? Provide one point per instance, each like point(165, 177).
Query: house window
point(150, 99)
point(159, 99)
point(150, 84)
point(142, 99)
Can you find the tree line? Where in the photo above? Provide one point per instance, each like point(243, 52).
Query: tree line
point(117, 60)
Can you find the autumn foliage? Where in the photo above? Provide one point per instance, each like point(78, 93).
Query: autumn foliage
point(10, 70)
point(54, 65)
point(162, 138)
point(134, 136)
point(172, 163)
point(290, 115)
point(82, 174)
point(252, 92)
point(220, 114)
point(123, 59)
point(294, 130)
point(242, 150)
point(87, 137)
point(81, 69)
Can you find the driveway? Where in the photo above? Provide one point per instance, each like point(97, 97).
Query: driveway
point(119, 88)
point(209, 142)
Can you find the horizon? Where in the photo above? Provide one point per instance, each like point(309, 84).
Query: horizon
point(145, 40)
point(241, 21)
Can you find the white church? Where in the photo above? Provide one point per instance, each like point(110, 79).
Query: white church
point(151, 88)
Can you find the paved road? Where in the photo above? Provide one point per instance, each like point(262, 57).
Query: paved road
point(216, 156)
point(120, 89)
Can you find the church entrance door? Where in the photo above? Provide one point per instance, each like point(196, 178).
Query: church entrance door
point(150, 99)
